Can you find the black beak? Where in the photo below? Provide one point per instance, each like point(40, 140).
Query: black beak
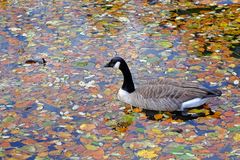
point(107, 65)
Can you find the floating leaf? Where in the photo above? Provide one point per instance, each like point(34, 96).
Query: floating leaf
point(68, 153)
point(81, 64)
point(158, 116)
point(237, 137)
point(137, 110)
point(216, 114)
point(29, 148)
point(165, 44)
point(87, 127)
point(121, 129)
point(235, 129)
point(141, 130)
point(9, 119)
point(91, 147)
point(47, 123)
point(128, 119)
point(147, 154)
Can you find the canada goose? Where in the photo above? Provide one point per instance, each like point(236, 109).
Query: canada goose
point(161, 94)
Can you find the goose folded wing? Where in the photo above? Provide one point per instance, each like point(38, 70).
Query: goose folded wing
point(174, 82)
point(167, 97)
point(169, 91)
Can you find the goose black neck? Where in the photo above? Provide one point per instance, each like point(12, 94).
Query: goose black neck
point(128, 84)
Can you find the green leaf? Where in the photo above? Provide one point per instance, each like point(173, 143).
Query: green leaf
point(81, 64)
point(96, 143)
point(29, 148)
point(165, 44)
point(90, 147)
point(8, 119)
point(153, 59)
point(141, 130)
point(2, 154)
point(178, 149)
point(47, 123)
point(128, 118)
point(234, 129)
point(193, 26)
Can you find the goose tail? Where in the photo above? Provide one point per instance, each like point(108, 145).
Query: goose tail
point(214, 92)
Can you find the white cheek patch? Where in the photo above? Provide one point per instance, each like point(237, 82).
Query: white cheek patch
point(117, 65)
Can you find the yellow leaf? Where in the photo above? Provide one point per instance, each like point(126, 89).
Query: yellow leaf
point(237, 137)
point(87, 127)
point(69, 127)
point(238, 20)
point(64, 135)
point(223, 24)
point(206, 112)
point(171, 70)
point(15, 131)
point(216, 57)
point(157, 133)
point(195, 111)
point(147, 154)
point(233, 65)
point(91, 147)
point(68, 153)
point(42, 154)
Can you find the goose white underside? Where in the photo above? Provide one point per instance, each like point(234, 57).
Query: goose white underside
point(193, 103)
point(124, 96)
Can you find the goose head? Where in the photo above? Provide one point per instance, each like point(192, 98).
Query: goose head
point(116, 62)
point(119, 63)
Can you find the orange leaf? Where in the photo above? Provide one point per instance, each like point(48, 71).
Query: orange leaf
point(169, 120)
point(121, 129)
point(29, 141)
point(105, 119)
point(137, 110)
point(3, 101)
point(229, 113)
point(5, 144)
point(179, 140)
point(43, 154)
point(158, 116)
point(217, 114)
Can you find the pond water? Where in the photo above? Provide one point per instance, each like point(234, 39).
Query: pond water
point(57, 101)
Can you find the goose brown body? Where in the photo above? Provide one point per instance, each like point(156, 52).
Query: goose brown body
point(168, 94)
